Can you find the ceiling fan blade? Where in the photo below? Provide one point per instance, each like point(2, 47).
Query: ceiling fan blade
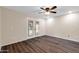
point(53, 12)
point(42, 8)
point(54, 7)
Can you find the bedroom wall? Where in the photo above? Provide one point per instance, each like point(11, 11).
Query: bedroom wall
point(14, 26)
point(0, 28)
point(66, 26)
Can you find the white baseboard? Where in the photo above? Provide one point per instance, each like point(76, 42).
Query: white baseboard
point(21, 40)
point(72, 39)
point(34, 36)
point(66, 38)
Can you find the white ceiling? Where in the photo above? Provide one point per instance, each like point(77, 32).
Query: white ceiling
point(34, 10)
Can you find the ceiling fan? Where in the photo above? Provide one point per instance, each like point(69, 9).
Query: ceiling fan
point(49, 9)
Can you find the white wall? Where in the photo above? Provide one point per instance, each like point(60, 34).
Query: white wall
point(66, 27)
point(0, 28)
point(14, 26)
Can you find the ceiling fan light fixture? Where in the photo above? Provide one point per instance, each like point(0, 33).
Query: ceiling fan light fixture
point(47, 13)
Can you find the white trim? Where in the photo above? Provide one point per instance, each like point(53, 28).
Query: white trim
point(34, 36)
point(66, 38)
point(21, 40)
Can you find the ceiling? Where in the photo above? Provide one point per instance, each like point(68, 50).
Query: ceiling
point(34, 10)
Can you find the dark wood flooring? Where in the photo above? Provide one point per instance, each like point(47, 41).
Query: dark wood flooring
point(43, 44)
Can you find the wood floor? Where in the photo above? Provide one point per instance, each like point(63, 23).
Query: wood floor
point(43, 44)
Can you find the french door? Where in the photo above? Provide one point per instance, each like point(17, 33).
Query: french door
point(33, 28)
